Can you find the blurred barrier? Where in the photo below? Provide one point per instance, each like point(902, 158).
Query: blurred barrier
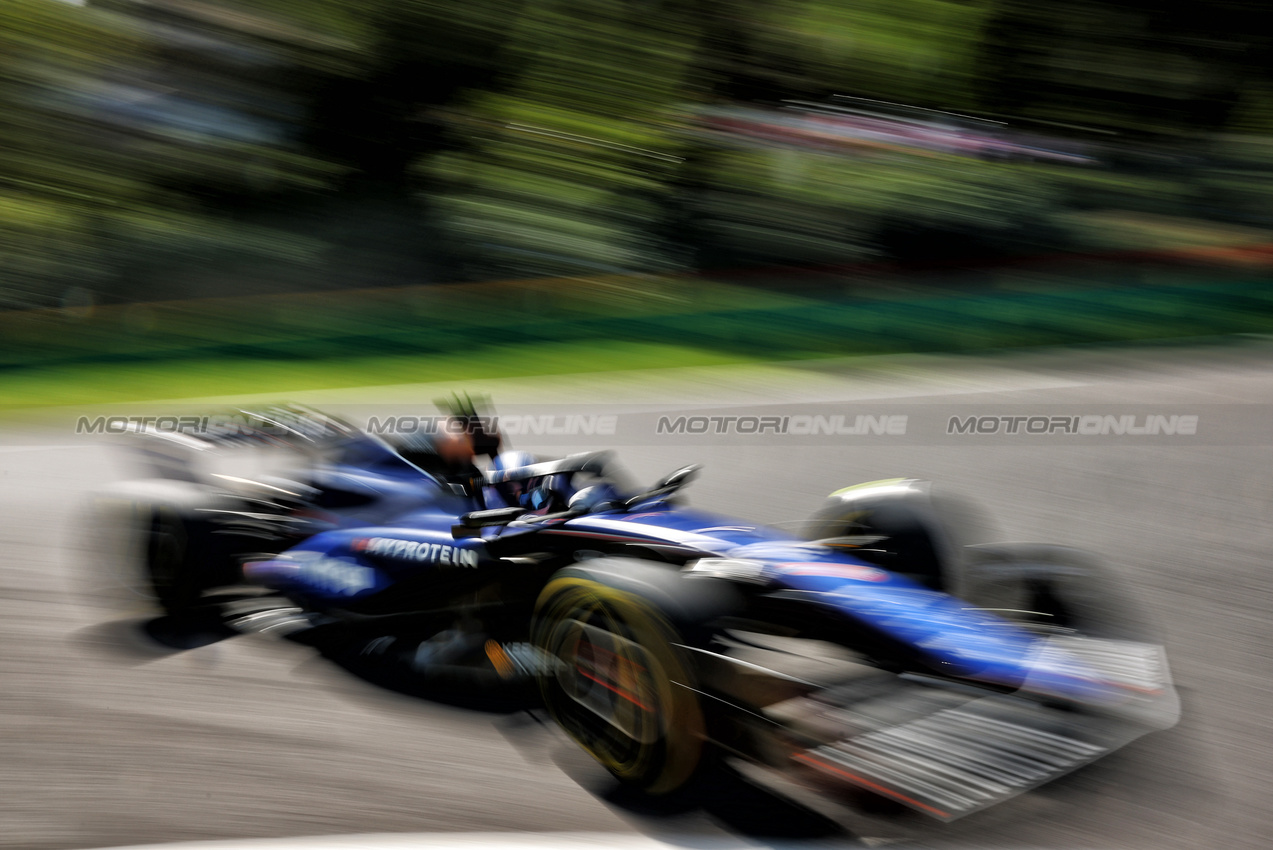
point(829, 312)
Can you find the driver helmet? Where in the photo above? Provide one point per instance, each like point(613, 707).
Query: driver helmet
point(512, 493)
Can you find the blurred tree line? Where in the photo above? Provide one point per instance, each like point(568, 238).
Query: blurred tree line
point(172, 148)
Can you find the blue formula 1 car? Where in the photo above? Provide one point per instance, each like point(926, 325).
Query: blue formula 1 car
point(868, 654)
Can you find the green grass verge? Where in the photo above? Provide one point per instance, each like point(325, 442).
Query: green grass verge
point(105, 383)
point(394, 352)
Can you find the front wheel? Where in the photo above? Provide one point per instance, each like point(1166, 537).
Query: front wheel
point(623, 686)
point(1053, 590)
point(903, 525)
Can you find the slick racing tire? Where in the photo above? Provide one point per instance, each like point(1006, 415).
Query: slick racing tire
point(163, 549)
point(1053, 590)
point(623, 685)
point(903, 526)
point(169, 559)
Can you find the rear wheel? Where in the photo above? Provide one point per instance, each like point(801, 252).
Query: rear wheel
point(169, 562)
point(159, 545)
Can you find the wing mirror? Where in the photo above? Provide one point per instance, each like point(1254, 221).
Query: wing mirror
point(679, 478)
point(473, 521)
point(666, 486)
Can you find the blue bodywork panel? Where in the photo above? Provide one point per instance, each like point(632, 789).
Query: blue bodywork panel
point(403, 530)
point(339, 565)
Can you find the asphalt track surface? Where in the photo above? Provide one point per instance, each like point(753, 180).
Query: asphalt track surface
point(108, 737)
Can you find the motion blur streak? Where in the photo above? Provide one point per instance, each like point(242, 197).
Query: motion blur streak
point(113, 737)
point(712, 203)
point(471, 841)
point(334, 144)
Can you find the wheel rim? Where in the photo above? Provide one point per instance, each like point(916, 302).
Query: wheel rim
point(605, 694)
point(607, 674)
point(618, 691)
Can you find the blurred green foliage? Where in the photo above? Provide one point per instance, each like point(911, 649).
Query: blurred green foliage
point(908, 51)
point(172, 148)
point(569, 168)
